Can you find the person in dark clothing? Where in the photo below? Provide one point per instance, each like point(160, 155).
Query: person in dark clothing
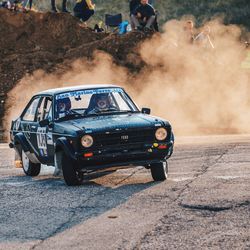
point(64, 6)
point(144, 16)
point(84, 9)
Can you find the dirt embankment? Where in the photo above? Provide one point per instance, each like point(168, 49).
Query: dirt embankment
point(47, 41)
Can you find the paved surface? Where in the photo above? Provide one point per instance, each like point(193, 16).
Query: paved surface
point(205, 204)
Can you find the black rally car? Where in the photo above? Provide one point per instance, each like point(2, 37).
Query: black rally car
point(89, 128)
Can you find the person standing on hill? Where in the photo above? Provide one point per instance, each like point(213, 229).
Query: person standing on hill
point(84, 9)
point(189, 35)
point(64, 6)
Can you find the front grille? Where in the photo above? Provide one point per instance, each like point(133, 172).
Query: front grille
point(126, 137)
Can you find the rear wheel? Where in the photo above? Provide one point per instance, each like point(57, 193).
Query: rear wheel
point(159, 171)
point(30, 168)
point(71, 176)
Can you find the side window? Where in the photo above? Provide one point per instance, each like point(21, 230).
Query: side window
point(40, 111)
point(48, 109)
point(30, 113)
point(44, 109)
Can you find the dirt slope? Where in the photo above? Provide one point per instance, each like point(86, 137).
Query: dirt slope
point(31, 41)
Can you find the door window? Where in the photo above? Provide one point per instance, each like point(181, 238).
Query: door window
point(30, 112)
point(44, 109)
point(48, 109)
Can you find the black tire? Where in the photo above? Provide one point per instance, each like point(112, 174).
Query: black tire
point(159, 171)
point(29, 168)
point(71, 176)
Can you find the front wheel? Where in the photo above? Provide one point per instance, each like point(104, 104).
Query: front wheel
point(71, 176)
point(30, 168)
point(159, 171)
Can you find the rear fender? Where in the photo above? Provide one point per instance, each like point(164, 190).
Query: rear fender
point(20, 143)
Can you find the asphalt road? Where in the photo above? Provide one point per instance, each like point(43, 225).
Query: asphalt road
point(204, 204)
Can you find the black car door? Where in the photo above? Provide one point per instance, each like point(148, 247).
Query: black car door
point(35, 134)
point(44, 133)
point(29, 124)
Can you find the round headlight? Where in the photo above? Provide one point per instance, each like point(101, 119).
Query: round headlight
point(161, 134)
point(87, 141)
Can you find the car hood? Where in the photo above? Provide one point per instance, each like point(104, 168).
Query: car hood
point(114, 122)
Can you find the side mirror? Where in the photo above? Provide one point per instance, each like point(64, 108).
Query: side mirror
point(146, 111)
point(44, 123)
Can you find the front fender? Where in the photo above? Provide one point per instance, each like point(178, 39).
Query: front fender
point(63, 144)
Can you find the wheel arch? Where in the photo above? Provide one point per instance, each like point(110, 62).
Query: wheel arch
point(20, 140)
point(62, 144)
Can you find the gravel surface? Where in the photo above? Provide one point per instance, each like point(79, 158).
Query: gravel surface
point(204, 204)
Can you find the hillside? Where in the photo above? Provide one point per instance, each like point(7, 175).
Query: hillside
point(42, 41)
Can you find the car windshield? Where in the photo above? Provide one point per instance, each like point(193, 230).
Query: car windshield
point(92, 102)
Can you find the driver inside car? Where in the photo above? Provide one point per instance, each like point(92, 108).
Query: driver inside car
point(63, 107)
point(100, 103)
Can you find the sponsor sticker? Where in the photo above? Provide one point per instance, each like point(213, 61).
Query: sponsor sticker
point(78, 93)
point(41, 138)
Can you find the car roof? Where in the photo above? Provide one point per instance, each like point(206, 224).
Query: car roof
point(74, 88)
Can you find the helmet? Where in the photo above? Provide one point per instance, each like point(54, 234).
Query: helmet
point(99, 101)
point(102, 101)
point(63, 105)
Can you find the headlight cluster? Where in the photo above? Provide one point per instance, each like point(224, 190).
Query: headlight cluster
point(87, 141)
point(161, 134)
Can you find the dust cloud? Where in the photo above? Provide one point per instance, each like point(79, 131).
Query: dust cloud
point(198, 88)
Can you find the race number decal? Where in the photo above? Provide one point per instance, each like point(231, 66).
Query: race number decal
point(41, 138)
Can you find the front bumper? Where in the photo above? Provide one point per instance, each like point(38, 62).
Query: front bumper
point(110, 157)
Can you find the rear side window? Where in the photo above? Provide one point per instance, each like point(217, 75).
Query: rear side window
point(30, 112)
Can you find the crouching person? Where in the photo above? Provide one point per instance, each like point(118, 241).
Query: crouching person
point(84, 9)
point(144, 16)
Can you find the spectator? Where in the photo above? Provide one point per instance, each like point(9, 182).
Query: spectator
point(84, 9)
point(64, 6)
point(189, 31)
point(144, 16)
point(204, 39)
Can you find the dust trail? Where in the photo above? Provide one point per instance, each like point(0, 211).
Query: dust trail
point(80, 73)
point(198, 89)
point(201, 90)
